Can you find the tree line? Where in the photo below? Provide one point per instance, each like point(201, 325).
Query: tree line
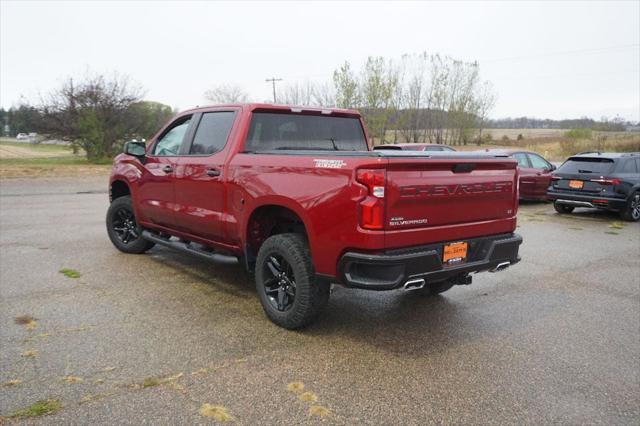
point(417, 98)
point(616, 124)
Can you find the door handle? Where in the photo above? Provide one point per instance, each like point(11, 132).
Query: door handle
point(167, 169)
point(213, 172)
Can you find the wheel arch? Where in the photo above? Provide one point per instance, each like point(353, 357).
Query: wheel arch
point(272, 218)
point(119, 187)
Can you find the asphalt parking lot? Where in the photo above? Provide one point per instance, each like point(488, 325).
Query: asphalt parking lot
point(150, 339)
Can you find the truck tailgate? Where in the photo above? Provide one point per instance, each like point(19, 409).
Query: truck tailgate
point(452, 193)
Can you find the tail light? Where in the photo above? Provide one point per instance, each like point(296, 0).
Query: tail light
point(607, 181)
point(372, 207)
point(556, 178)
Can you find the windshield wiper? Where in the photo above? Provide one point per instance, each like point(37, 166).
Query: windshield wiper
point(333, 142)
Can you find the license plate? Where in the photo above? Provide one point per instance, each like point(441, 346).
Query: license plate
point(576, 184)
point(454, 253)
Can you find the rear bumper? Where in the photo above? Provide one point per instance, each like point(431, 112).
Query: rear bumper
point(587, 200)
point(395, 267)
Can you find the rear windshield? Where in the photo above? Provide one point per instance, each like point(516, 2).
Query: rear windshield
point(599, 166)
point(270, 131)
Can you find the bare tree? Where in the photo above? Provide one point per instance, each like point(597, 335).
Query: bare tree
point(298, 94)
point(412, 87)
point(324, 95)
point(486, 99)
point(226, 94)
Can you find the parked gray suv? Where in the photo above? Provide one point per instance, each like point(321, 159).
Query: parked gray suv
point(608, 181)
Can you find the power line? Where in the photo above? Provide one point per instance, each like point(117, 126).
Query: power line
point(273, 82)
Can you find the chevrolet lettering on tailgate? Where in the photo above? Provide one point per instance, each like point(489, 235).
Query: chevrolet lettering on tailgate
point(455, 190)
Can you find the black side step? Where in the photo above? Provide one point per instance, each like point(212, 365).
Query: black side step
point(186, 248)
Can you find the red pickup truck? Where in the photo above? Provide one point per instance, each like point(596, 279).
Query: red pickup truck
point(299, 197)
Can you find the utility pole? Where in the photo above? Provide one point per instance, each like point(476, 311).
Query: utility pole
point(273, 82)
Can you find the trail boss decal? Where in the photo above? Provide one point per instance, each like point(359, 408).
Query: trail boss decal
point(329, 164)
point(455, 190)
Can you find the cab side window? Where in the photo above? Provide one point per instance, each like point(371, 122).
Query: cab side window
point(169, 143)
point(213, 132)
point(538, 162)
point(521, 157)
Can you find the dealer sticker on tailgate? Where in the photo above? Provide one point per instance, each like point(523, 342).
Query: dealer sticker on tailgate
point(454, 252)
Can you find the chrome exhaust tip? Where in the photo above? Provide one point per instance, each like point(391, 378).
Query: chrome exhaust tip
point(414, 284)
point(500, 267)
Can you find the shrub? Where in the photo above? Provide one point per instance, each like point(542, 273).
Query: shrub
point(582, 133)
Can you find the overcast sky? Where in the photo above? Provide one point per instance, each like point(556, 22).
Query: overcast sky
point(545, 59)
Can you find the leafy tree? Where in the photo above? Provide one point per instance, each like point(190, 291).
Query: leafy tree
point(346, 87)
point(94, 114)
point(147, 117)
point(378, 84)
point(24, 119)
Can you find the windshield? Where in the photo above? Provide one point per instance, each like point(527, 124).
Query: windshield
point(598, 166)
point(271, 131)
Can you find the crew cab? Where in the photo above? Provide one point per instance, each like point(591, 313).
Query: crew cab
point(298, 196)
point(609, 181)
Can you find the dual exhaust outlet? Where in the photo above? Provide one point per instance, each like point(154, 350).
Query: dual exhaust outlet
point(418, 283)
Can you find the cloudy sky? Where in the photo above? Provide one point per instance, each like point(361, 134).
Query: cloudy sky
point(545, 59)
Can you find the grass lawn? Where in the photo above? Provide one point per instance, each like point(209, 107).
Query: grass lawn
point(21, 160)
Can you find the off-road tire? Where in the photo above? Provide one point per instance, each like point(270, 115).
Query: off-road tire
point(135, 245)
point(310, 296)
point(563, 208)
point(631, 213)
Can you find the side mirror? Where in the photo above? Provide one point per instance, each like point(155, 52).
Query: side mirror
point(135, 148)
point(553, 167)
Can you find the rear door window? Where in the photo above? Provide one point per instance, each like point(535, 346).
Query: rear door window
point(273, 131)
point(212, 133)
point(521, 157)
point(587, 165)
point(538, 162)
point(629, 166)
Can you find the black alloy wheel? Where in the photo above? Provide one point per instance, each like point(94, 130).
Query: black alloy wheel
point(289, 292)
point(632, 211)
point(124, 231)
point(280, 286)
point(124, 225)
